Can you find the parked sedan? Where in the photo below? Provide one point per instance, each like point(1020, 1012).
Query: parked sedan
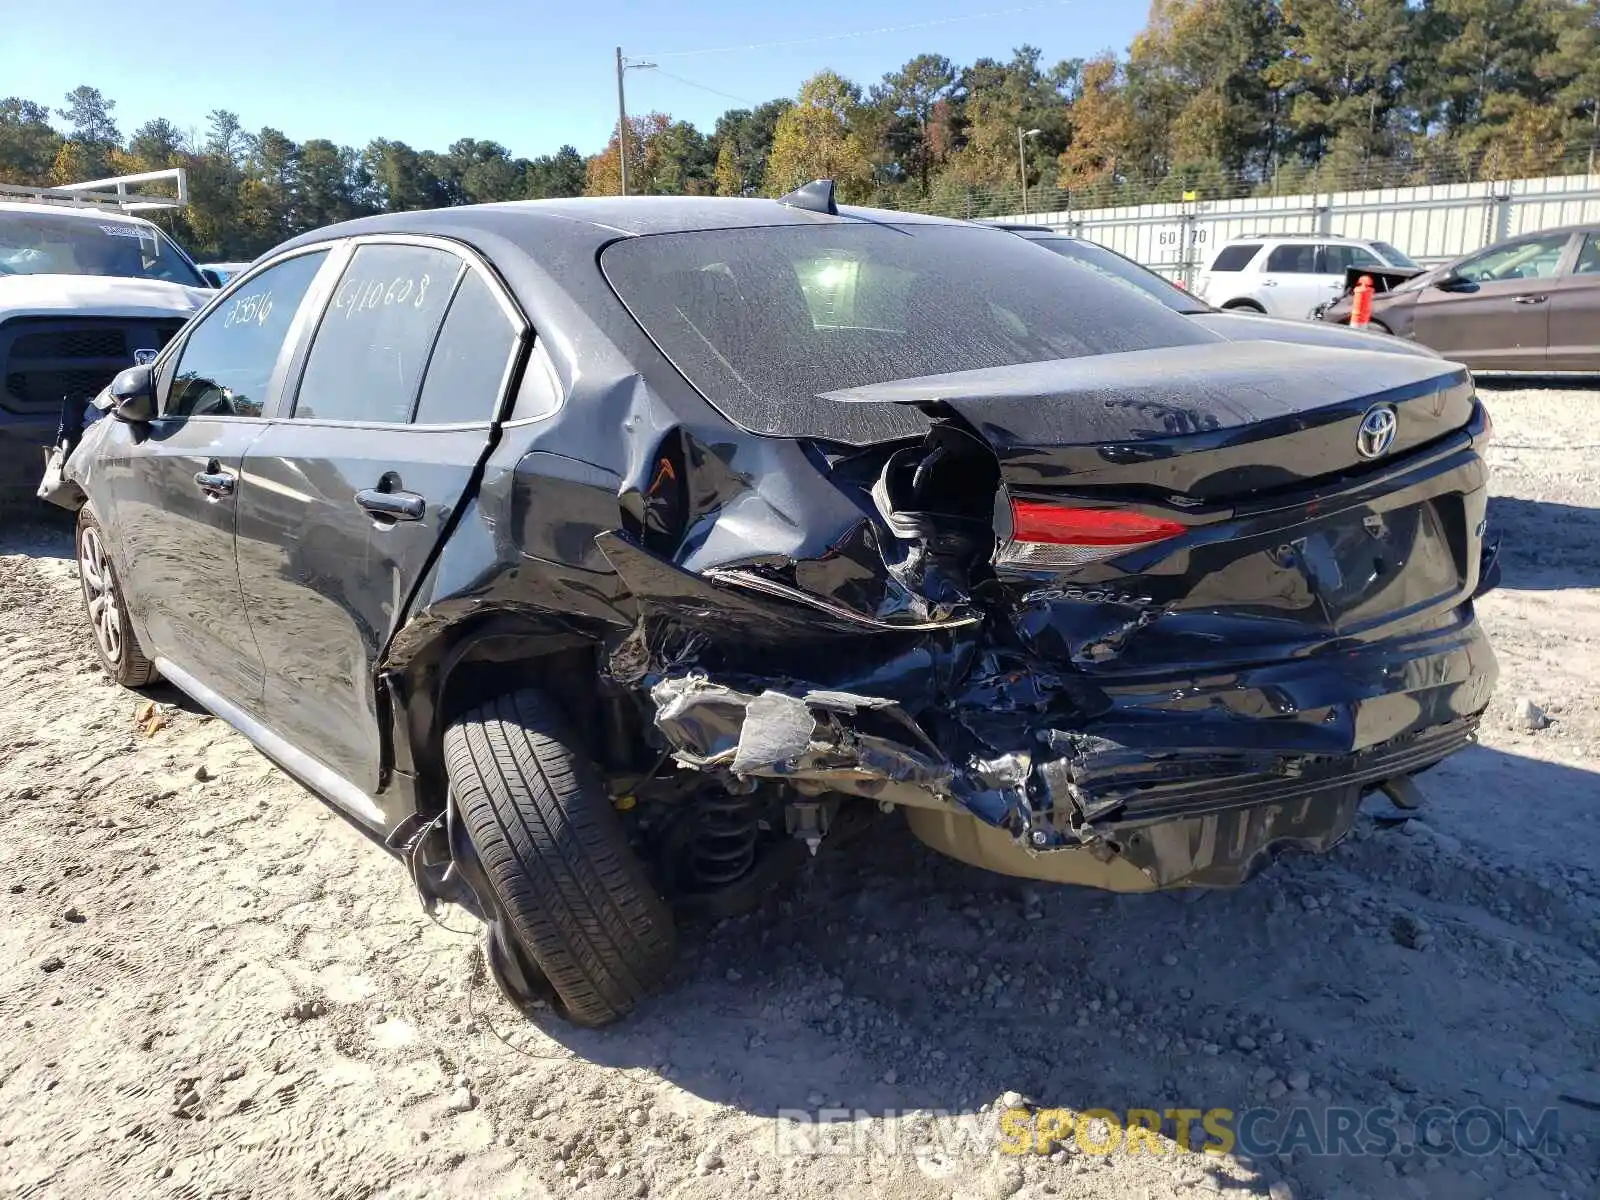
point(603, 559)
point(1529, 304)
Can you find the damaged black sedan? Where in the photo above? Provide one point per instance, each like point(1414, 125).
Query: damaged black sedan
point(604, 559)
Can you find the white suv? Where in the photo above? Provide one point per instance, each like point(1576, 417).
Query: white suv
point(83, 293)
point(1289, 276)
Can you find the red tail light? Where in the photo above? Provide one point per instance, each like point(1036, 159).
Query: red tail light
point(1051, 535)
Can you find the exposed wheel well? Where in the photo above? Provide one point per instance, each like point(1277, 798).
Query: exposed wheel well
point(489, 661)
point(1244, 306)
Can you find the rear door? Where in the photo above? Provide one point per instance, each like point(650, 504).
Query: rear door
point(1290, 281)
point(345, 499)
point(1575, 312)
point(1498, 316)
point(171, 489)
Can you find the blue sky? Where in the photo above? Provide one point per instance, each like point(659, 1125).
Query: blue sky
point(529, 75)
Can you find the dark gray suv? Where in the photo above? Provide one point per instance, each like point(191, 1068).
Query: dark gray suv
point(604, 559)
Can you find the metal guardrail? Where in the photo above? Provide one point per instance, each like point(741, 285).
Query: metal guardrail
point(119, 193)
point(1432, 223)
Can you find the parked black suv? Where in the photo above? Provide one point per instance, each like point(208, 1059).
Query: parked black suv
point(600, 557)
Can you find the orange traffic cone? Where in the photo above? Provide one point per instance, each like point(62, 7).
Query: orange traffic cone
point(1361, 303)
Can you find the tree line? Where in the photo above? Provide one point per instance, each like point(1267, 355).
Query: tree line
point(1213, 97)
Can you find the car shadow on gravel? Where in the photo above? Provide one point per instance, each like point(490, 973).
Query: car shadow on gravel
point(1546, 546)
point(36, 530)
point(890, 979)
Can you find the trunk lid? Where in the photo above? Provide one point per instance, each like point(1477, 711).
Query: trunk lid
point(1198, 422)
point(1217, 505)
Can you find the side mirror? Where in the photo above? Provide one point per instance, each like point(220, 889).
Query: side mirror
point(213, 277)
point(134, 394)
point(1452, 282)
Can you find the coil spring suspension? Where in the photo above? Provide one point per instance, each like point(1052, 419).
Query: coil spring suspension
point(722, 847)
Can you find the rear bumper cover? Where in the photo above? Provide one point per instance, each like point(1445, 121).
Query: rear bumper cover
point(1192, 782)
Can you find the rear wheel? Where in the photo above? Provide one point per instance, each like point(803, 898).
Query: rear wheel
point(117, 645)
point(569, 890)
point(1249, 306)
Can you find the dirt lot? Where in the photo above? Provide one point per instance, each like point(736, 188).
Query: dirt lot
point(211, 987)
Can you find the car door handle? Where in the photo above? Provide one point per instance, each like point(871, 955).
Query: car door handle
point(1269, 283)
point(393, 506)
point(1532, 299)
point(215, 483)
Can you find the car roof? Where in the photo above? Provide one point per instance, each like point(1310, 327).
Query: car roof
point(88, 213)
point(1302, 237)
point(1589, 227)
point(580, 218)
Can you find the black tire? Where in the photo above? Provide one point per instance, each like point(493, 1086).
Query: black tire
point(115, 643)
point(573, 893)
point(1249, 306)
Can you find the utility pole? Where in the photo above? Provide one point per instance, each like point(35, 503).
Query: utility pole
point(622, 114)
point(622, 125)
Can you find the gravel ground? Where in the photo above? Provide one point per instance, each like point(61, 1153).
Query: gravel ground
point(210, 987)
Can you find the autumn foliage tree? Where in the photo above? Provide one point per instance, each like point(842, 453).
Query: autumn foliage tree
point(814, 140)
point(1212, 96)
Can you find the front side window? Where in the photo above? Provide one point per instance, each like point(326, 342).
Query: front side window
point(1235, 258)
point(1291, 259)
point(48, 243)
point(373, 342)
point(1536, 258)
point(1589, 257)
point(468, 367)
point(766, 322)
point(226, 363)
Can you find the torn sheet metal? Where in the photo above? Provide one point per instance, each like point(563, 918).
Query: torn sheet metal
point(837, 737)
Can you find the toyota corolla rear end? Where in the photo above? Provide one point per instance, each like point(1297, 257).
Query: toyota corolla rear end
point(1138, 615)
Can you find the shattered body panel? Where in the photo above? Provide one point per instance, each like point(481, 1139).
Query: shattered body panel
point(837, 596)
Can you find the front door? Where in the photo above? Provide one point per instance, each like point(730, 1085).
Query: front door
point(1575, 312)
point(172, 487)
point(345, 500)
point(1496, 316)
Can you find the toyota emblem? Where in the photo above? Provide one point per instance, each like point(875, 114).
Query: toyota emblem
point(1377, 431)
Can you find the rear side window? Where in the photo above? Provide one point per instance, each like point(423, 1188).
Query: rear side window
point(468, 369)
point(1339, 258)
point(367, 360)
point(766, 321)
point(1291, 259)
point(225, 366)
point(1235, 258)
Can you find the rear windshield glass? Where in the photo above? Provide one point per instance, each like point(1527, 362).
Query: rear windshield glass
point(1235, 258)
point(764, 321)
point(1109, 262)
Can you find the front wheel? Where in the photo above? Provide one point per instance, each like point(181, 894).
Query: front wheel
point(116, 645)
point(566, 885)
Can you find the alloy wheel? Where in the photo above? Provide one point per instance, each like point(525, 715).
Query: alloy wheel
point(100, 594)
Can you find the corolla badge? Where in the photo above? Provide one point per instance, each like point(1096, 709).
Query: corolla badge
point(1377, 431)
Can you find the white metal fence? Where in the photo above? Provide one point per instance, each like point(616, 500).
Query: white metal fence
point(1432, 224)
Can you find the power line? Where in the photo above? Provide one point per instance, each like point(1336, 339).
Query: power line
point(861, 33)
point(704, 88)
